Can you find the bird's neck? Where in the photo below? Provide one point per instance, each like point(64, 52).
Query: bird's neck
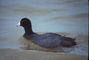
point(28, 30)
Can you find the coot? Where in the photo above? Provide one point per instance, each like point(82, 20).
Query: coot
point(47, 40)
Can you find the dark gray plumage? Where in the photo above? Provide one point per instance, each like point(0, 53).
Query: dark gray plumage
point(47, 40)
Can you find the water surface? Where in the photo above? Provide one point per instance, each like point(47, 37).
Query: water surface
point(66, 16)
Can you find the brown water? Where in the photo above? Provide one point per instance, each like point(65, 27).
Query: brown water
point(66, 17)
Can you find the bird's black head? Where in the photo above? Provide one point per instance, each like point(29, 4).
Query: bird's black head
point(25, 22)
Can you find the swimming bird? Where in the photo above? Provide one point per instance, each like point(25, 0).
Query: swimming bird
point(47, 40)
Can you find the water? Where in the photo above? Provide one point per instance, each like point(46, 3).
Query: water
point(69, 16)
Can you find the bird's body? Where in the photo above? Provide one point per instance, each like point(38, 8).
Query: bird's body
point(47, 40)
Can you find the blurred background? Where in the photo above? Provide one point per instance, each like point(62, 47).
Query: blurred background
point(46, 15)
point(69, 16)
